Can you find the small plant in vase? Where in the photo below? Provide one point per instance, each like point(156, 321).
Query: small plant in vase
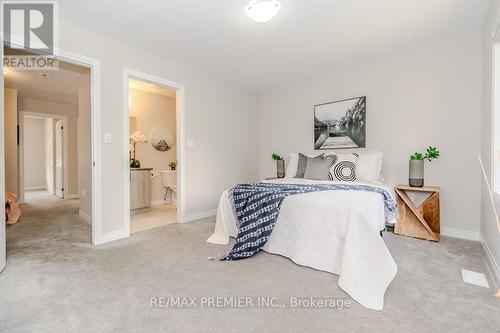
point(172, 165)
point(135, 163)
point(416, 174)
point(280, 165)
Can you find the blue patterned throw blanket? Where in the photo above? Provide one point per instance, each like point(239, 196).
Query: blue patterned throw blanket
point(256, 208)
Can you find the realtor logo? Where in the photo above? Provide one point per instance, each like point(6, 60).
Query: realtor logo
point(30, 28)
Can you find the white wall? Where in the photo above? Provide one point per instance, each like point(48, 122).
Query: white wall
point(152, 110)
point(489, 229)
point(71, 111)
point(430, 96)
point(84, 145)
point(34, 153)
point(221, 119)
point(10, 143)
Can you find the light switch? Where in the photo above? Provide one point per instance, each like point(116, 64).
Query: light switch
point(190, 143)
point(107, 137)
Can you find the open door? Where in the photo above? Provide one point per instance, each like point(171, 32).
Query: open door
point(58, 159)
point(9, 156)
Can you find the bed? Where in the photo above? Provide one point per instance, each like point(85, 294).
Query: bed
point(332, 231)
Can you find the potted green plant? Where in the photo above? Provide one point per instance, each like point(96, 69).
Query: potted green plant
point(172, 165)
point(280, 165)
point(135, 163)
point(416, 174)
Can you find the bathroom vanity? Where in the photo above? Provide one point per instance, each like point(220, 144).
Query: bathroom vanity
point(140, 187)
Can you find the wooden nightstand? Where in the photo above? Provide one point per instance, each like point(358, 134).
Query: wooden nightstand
point(418, 212)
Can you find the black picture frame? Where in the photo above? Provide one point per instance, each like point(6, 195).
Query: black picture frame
point(340, 124)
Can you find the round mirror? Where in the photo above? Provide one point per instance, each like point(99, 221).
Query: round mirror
point(161, 138)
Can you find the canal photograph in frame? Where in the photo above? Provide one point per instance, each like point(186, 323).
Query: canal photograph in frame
point(340, 124)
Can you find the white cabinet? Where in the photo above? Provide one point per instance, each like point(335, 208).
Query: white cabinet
point(140, 188)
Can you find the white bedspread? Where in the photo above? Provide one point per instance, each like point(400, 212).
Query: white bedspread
point(332, 231)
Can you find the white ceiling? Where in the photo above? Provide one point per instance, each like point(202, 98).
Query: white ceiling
point(60, 85)
point(151, 88)
point(306, 38)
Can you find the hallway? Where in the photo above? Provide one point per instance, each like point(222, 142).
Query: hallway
point(47, 223)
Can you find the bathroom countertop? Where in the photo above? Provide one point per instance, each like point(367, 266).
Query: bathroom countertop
point(139, 169)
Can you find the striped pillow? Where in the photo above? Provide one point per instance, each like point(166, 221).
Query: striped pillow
point(302, 164)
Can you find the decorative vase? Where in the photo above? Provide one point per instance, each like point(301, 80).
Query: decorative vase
point(280, 168)
point(416, 173)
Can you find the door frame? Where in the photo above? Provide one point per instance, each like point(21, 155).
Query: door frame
point(94, 65)
point(3, 245)
point(64, 119)
point(495, 104)
point(56, 134)
point(180, 139)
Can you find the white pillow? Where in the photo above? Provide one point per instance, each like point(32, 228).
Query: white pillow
point(369, 167)
point(291, 165)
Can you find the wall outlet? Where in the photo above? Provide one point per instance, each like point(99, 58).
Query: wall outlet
point(107, 137)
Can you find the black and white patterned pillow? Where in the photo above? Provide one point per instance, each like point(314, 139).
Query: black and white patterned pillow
point(344, 167)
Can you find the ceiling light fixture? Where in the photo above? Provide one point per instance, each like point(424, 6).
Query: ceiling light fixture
point(262, 10)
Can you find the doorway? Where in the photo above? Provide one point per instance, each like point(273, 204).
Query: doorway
point(154, 156)
point(50, 111)
point(43, 156)
point(11, 132)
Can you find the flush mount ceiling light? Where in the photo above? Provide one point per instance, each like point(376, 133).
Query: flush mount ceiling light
point(262, 10)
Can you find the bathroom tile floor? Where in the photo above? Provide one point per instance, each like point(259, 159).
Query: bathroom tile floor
point(153, 217)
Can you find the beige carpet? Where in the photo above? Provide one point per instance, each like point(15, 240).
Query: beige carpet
point(55, 281)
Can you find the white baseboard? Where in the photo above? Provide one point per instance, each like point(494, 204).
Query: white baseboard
point(87, 218)
point(35, 187)
point(460, 233)
point(495, 269)
point(110, 236)
point(161, 202)
point(72, 196)
point(158, 202)
point(199, 215)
